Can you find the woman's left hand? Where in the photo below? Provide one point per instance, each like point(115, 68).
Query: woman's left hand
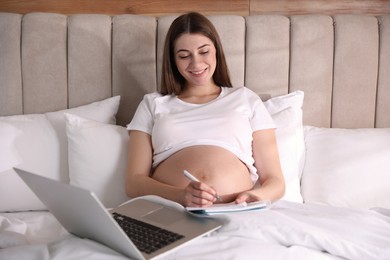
point(247, 196)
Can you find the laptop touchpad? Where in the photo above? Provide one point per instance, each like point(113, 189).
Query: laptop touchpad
point(163, 216)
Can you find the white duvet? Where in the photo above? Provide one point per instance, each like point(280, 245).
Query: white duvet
point(286, 231)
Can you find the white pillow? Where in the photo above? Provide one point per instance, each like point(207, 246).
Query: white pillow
point(103, 111)
point(286, 112)
point(40, 145)
point(9, 155)
point(347, 167)
point(98, 158)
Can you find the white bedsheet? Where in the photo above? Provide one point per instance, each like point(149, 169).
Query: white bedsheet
point(286, 231)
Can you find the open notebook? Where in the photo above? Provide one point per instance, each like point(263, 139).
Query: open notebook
point(229, 208)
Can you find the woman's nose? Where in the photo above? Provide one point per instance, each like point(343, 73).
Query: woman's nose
point(195, 59)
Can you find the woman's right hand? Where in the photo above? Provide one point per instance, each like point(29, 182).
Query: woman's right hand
point(199, 194)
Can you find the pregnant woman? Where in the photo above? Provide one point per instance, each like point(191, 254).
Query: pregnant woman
point(198, 122)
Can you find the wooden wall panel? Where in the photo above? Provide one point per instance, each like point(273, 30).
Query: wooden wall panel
point(330, 7)
point(167, 7)
point(111, 7)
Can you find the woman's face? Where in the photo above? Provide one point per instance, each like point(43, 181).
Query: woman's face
point(195, 57)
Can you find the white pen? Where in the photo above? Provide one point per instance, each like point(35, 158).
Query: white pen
point(193, 178)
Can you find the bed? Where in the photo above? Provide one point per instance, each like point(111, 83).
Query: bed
point(69, 85)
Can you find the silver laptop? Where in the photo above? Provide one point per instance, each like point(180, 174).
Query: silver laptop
point(82, 214)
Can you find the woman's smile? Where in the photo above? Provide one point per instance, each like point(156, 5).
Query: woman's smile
point(198, 72)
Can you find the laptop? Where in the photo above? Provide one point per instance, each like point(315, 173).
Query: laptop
point(82, 214)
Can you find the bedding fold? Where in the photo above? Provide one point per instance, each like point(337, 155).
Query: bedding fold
point(287, 230)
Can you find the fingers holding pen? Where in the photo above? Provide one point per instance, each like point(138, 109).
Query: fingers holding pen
point(199, 194)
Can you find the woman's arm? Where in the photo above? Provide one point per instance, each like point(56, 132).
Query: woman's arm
point(267, 163)
point(139, 182)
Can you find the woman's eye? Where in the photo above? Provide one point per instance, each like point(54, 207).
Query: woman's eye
point(184, 57)
point(204, 52)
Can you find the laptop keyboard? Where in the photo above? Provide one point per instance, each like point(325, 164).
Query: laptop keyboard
point(146, 237)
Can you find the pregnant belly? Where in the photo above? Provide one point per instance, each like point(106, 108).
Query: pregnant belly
point(215, 166)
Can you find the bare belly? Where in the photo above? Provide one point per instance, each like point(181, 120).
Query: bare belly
point(215, 166)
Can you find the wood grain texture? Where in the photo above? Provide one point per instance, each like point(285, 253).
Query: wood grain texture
point(112, 7)
point(167, 7)
point(330, 7)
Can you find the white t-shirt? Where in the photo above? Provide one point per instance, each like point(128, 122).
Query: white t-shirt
point(227, 121)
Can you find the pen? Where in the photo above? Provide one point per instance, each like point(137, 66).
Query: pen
point(193, 178)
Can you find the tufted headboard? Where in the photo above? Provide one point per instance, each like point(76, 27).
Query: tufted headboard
point(51, 61)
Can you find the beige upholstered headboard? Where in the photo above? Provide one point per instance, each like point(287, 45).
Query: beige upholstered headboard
point(50, 62)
